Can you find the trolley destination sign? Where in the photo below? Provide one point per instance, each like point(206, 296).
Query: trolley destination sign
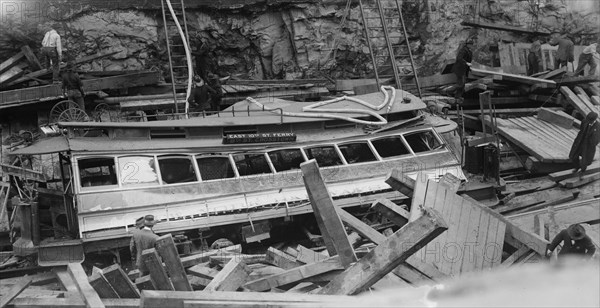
point(259, 138)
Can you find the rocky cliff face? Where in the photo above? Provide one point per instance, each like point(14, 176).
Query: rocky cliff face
point(293, 39)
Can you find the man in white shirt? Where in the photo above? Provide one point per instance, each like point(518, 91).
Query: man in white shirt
point(52, 52)
point(587, 57)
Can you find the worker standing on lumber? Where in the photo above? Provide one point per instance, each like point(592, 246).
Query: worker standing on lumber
point(143, 239)
point(565, 52)
point(52, 52)
point(587, 58)
point(72, 86)
point(584, 146)
point(534, 59)
point(575, 242)
point(461, 68)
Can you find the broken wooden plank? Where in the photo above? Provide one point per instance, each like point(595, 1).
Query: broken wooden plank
point(10, 62)
point(295, 274)
point(161, 299)
point(14, 291)
point(580, 181)
point(88, 294)
point(577, 80)
point(554, 73)
point(145, 283)
point(418, 198)
point(391, 211)
point(514, 77)
point(582, 94)
point(230, 278)
point(328, 220)
point(555, 117)
point(387, 255)
point(69, 302)
point(248, 259)
point(401, 182)
point(65, 280)
point(102, 286)
point(157, 271)
point(120, 282)
point(168, 252)
point(281, 259)
point(307, 256)
point(563, 175)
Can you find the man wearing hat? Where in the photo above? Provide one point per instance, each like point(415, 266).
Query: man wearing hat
point(143, 239)
point(201, 95)
point(565, 52)
point(52, 52)
point(583, 149)
point(72, 86)
point(575, 242)
point(461, 68)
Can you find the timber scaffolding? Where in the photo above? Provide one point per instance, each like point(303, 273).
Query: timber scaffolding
point(440, 236)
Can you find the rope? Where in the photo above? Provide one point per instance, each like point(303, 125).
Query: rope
point(313, 110)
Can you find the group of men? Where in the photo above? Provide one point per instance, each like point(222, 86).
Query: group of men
point(565, 54)
point(206, 92)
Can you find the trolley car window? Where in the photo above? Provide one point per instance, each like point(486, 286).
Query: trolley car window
point(214, 167)
point(390, 146)
point(357, 152)
point(287, 159)
point(176, 169)
point(422, 141)
point(97, 171)
point(325, 156)
point(249, 164)
point(137, 170)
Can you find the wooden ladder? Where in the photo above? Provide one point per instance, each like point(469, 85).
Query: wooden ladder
point(175, 49)
point(378, 23)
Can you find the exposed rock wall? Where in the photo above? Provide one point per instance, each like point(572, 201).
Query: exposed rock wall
point(295, 39)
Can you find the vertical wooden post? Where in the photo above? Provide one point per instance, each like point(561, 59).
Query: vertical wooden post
point(157, 271)
point(328, 220)
point(168, 252)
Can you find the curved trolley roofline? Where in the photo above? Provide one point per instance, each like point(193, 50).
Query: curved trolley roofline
point(269, 111)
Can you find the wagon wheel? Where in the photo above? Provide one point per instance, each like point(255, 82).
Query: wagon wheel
point(59, 108)
point(100, 110)
point(73, 114)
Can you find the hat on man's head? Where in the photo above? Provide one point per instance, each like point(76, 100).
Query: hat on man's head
point(139, 222)
point(576, 232)
point(591, 116)
point(149, 221)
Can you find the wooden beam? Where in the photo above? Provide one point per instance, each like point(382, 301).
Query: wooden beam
point(23, 173)
point(418, 197)
point(401, 182)
point(577, 181)
point(120, 282)
point(70, 302)
point(387, 255)
point(556, 117)
point(230, 278)
point(248, 259)
point(203, 271)
point(554, 73)
point(515, 256)
point(281, 259)
point(145, 283)
point(202, 257)
point(161, 299)
point(391, 211)
point(329, 222)
point(514, 77)
point(578, 80)
point(157, 271)
point(102, 287)
point(34, 63)
point(88, 294)
point(575, 101)
point(14, 291)
point(168, 252)
point(566, 174)
point(494, 26)
point(582, 94)
point(295, 274)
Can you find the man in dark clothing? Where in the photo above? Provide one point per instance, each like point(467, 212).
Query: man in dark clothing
point(141, 240)
point(575, 242)
point(565, 52)
point(534, 59)
point(204, 63)
point(461, 68)
point(200, 97)
point(215, 84)
point(72, 86)
point(583, 149)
